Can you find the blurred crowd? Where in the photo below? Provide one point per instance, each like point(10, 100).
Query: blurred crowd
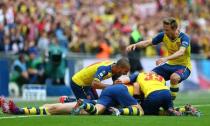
point(97, 27)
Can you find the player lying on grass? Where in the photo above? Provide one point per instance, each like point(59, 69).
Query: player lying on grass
point(111, 96)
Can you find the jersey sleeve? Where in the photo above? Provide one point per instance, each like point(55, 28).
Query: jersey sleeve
point(185, 41)
point(100, 73)
point(158, 38)
point(133, 77)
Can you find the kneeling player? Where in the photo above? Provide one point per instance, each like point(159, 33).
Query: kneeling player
point(156, 95)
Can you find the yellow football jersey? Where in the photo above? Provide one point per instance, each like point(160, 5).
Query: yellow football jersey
point(130, 89)
point(173, 46)
point(97, 71)
point(150, 82)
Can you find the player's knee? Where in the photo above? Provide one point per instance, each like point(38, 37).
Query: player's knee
point(174, 78)
point(46, 105)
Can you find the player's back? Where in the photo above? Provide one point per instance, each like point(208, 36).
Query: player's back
point(150, 82)
point(85, 76)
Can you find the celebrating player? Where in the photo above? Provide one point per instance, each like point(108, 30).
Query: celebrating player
point(89, 78)
point(178, 64)
point(156, 95)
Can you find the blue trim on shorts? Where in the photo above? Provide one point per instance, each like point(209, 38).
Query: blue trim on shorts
point(167, 70)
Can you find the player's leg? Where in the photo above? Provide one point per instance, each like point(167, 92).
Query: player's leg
point(105, 100)
point(152, 103)
point(11, 108)
point(163, 70)
point(129, 104)
point(59, 108)
point(130, 110)
point(167, 104)
point(181, 73)
point(82, 92)
point(89, 107)
point(174, 85)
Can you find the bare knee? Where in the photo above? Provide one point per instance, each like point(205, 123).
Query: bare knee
point(175, 78)
point(46, 105)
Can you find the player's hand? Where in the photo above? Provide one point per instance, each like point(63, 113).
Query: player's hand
point(131, 47)
point(160, 61)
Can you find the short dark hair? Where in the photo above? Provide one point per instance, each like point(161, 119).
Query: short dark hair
point(123, 62)
point(170, 21)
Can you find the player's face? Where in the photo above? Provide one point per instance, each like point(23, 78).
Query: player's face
point(169, 31)
point(123, 71)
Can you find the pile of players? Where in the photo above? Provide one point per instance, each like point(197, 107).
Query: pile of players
point(141, 93)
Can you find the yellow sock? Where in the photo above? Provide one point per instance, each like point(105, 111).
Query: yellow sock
point(36, 111)
point(174, 88)
point(130, 111)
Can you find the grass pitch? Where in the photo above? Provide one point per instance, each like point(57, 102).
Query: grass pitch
point(200, 99)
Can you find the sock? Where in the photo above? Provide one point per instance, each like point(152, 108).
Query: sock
point(35, 111)
point(174, 88)
point(130, 111)
point(90, 108)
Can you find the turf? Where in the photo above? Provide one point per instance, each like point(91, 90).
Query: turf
point(201, 99)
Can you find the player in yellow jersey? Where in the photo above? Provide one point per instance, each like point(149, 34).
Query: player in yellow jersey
point(156, 94)
point(90, 77)
point(177, 65)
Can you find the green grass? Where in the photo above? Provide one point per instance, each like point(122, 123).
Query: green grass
point(195, 98)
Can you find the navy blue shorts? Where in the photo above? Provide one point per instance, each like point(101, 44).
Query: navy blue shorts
point(116, 95)
point(83, 92)
point(167, 70)
point(155, 100)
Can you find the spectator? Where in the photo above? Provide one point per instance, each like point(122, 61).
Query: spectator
point(57, 65)
point(34, 66)
point(19, 73)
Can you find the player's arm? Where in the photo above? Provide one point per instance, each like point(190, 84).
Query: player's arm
point(122, 79)
point(142, 44)
point(177, 54)
point(98, 85)
point(101, 72)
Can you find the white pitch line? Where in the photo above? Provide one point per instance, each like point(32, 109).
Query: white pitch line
point(22, 116)
point(202, 105)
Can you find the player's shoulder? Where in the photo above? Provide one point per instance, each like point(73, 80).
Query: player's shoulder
point(183, 35)
point(106, 63)
point(106, 68)
point(160, 34)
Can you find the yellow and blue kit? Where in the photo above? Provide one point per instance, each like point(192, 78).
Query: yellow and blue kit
point(82, 80)
point(180, 65)
point(115, 96)
point(156, 93)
